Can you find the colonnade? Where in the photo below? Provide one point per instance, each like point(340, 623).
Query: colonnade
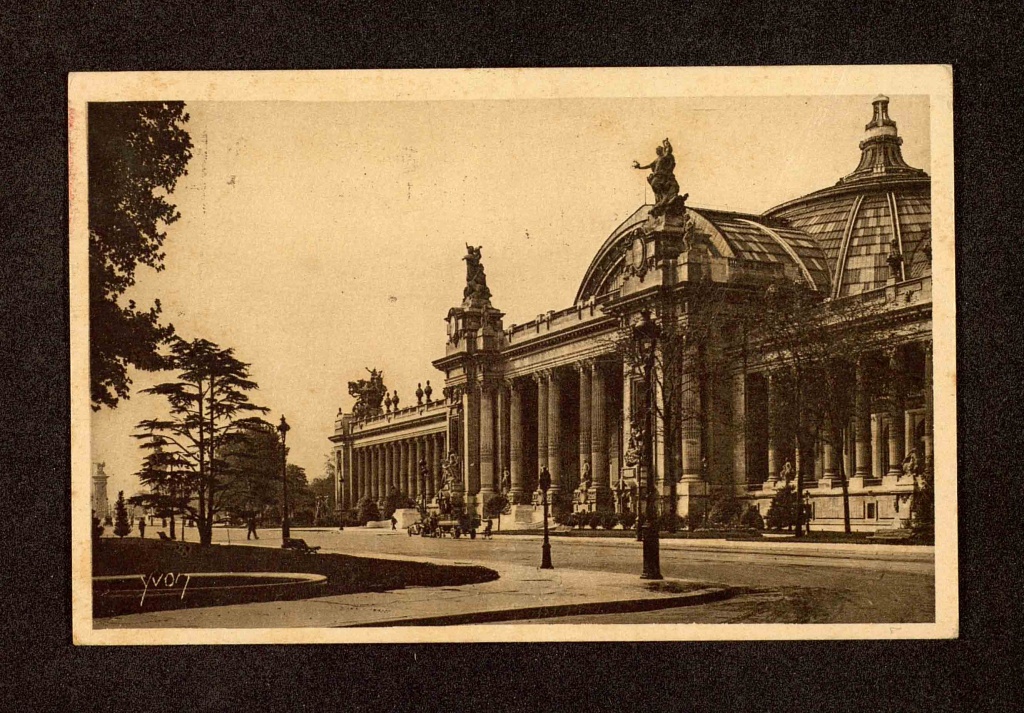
point(381, 468)
point(875, 442)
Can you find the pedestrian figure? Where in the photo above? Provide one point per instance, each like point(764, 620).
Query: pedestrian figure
point(252, 528)
point(487, 530)
point(142, 527)
point(394, 523)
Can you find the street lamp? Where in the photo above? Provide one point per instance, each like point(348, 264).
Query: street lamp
point(545, 549)
point(424, 472)
point(283, 429)
point(646, 335)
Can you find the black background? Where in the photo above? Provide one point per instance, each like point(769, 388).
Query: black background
point(41, 42)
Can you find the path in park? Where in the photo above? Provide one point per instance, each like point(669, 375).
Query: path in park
point(782, 582)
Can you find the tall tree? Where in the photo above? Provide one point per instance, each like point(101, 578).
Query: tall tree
point(137, 153)
point(208, 407)
point(252, 468)
point(122, 525)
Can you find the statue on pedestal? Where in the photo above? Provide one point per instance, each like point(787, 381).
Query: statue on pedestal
point(506, 482)
point(787, 472)
point(663, 182)
point(476, 281)
point(911, 466)
point(583, 491)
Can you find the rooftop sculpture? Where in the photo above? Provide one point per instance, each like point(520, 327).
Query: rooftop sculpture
point(663, 182)
point(368, 393)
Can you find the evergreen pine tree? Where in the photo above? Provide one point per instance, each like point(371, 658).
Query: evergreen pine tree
point(121, 525)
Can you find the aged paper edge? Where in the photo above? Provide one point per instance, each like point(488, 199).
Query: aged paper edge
point(935, 81)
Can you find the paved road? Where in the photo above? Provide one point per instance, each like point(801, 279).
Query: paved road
point(777, 588)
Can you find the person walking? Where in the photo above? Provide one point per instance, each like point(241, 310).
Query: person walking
point(394, 522)
point(251, 532)
point(142, 527)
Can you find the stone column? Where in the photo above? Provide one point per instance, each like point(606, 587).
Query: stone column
point(471, 430)
point(410, 467)
point(501, 445)
point(416, 484)
point(739, 429)
point(555, 432)
point(897, 444)
point(862, 411)
point(487, 450)
point(689, 426)
point(378, 454)
point(908, 432)
point(601, 489)
point(516, 447)
point(375, 490)
point(428, 455)
point(400, 467)
point(585, 369)
point(542, 419)
point(876, 445)
point(439, 454)
point(829, 460)
point(773, 461)
point(929, 402)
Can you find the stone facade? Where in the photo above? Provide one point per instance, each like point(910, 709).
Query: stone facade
point(563, 392)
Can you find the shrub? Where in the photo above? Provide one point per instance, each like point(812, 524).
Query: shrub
point(366, 510)
point(495, 505)
point(751, 518)
point(628, 519)
point(395, 501)
point(569, 519)
point(97, 528)
point(594, 520)
point(783, 509)
point(121, 524)
point(725, 510)
point(561, 504)
point(609, 520)
point(922, 505)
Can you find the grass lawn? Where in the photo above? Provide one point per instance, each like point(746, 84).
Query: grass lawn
point(345, 574)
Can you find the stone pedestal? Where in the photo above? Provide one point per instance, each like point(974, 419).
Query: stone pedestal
point(524, 517)
point(857, 482)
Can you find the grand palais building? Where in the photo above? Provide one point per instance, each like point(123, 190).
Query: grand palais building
point(564, 391)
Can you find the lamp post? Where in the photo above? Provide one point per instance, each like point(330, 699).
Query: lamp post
point(424, 472)
point(283, 429)
point(646, 334)
point(545, 549)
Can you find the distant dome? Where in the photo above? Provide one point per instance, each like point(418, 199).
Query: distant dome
point(856, 221)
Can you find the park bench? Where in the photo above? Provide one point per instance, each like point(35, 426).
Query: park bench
point(299, 545)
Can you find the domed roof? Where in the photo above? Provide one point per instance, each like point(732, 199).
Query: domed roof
point(881, 208)
point(768, 246)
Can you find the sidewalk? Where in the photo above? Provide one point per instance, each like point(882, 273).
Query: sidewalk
point(895, 553)
point(520, 593)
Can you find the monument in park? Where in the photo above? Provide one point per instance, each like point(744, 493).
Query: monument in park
point(100, 501)
point(561, 391)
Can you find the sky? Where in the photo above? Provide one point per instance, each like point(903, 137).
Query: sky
point(322, 238)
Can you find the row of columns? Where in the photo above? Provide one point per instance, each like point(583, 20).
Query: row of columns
point(864, 456)
point(379, 469)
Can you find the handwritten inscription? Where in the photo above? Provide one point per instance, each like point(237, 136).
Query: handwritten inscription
point(159, 580)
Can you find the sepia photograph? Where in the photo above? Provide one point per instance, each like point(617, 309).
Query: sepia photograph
point(513, 355)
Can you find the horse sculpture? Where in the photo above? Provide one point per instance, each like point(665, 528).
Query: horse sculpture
point(368, 393)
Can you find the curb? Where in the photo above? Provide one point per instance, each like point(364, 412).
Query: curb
point(622, 606)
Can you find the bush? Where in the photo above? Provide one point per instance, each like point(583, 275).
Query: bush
point(922, 505)
point(366, 510)
point(751, 518)
point(495, 505)
point(395, 501)
point(121, 524)
point(594, 520)
point(569, 519)
point(97, 528)
point(627, 519)
point(609, 520)
point(561, 505)
point(725, 510)
point(783, 510)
